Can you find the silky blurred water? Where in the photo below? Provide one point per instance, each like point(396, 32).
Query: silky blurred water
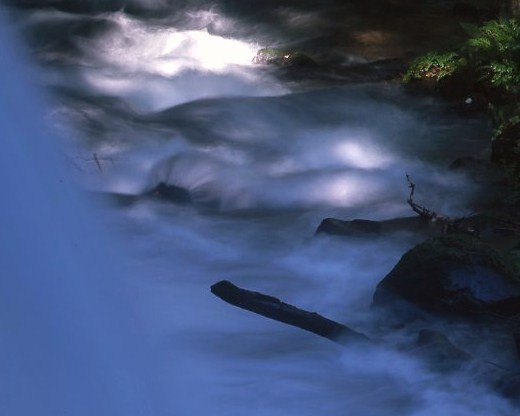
point(165, 92)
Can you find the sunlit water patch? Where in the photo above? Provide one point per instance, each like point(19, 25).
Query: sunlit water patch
point(156, 67)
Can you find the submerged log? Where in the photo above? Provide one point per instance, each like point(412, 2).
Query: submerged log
point(274, 308)
point(433, 346)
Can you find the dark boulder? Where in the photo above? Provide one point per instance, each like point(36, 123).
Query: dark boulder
point(171, 193)
point(509, 386)
point(354, 228)
point(440, 353)
point(454, 274)
point(369, 228)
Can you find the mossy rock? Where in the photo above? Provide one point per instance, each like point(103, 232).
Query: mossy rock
point(454, 274)
point(282, 57)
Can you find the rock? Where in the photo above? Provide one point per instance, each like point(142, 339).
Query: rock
point(282, 57)
point(453, 274)
point(374, 71)
point(509, 386)
point(171, 193)
point(505, 148)
point(475, 102)
point(466, 163)
point(368, 228)
point(349, 228)
point(456, 88)
point(440, 352)
point(466, 11)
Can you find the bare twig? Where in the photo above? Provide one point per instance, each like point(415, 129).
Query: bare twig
point(419, 209)
point(97, 162)
point(95, 158)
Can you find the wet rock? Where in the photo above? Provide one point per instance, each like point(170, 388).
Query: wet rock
point(454, 274)
point(475, 102)
point(466, 163)
point(361, 228)
point(505, 148)
point(456, 88)
point(509, 386)
point(496, 229)
point(282, 57)
point(349, 228)
point(122, 200)
point(440, 352)
point(374, 71)
point(171, 193)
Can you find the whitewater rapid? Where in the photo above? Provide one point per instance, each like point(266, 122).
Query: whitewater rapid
point(139, 100)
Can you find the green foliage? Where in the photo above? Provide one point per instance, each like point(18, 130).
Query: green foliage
point(493, 50)
point(504, 117)
point(491, 55)
point(494, 39)
point(504, 75)
point(488, 63)
point(433, 65)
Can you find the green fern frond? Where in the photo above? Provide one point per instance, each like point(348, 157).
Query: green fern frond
point(473, 31)
point(433, 65)
point(495, 36)
point(504, 74)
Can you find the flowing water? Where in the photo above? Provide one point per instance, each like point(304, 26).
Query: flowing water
point(157, 92)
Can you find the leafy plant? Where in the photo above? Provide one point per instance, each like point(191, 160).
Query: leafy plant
point(433, 65)
point(488, 63)
point(495, 38)
point(504, 118)
point(493, 50)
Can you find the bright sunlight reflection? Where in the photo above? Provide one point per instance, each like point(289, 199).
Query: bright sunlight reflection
point(168, 51)
point(362, 156)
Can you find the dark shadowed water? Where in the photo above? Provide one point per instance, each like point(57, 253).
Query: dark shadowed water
point(165, 92)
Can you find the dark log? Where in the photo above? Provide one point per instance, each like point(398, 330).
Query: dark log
point(274, 308)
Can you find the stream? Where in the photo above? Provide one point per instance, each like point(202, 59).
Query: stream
point(166, 92)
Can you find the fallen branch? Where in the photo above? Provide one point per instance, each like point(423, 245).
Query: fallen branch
point(432, 345)
point(446, 224)
point(423, 212)
point(274, 308)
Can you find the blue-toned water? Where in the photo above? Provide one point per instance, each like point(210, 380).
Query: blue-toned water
point(104, 303)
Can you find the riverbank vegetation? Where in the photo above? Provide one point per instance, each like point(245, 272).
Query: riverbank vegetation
point(483, 71)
